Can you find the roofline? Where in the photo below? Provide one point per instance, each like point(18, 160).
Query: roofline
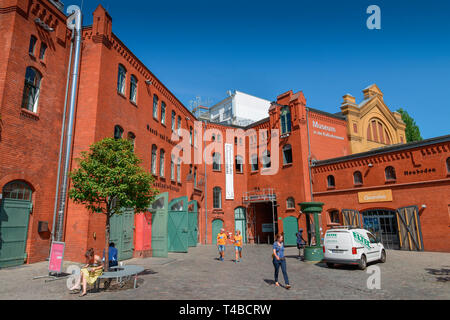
point(384, 150)
point(327, 113)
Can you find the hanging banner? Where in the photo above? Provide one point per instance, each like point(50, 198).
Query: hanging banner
point(229, 166)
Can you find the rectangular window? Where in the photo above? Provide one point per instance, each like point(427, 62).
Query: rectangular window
point(179, 171)
point(42, 51)
point(163, 112)
point(155, 106)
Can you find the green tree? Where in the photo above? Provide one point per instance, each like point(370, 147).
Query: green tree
point(412, 130)
point(110, 178)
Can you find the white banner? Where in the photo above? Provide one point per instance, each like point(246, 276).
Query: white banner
point(229, 166)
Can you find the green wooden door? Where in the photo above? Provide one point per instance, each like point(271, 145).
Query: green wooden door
point(193, 223)
point(122, 231)
point(15, 212)
point(216, 226)
point(290, 228)
point(178, 225)
point(240, 222)
point(159, 210)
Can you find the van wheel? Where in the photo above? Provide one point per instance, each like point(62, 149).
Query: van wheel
point(362, 265)
point(383, 256)
point(330, 265)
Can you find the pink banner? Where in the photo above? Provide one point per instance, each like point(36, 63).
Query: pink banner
point(56, 257)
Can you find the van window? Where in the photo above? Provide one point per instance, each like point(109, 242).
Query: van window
point(371, 238)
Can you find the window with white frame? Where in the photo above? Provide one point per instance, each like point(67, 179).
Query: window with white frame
point(121, 78)
point(133, 88)
point(217, 198)
point(31, 89)
point(154, 151)
point(162, 155)
point(155, 106)
point(163, 112)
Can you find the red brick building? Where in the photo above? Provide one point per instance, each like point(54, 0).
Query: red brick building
point(119, 96)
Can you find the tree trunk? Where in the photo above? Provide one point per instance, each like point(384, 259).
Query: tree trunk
point(106, 264)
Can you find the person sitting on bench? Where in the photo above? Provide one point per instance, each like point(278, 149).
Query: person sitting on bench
point(112, 255)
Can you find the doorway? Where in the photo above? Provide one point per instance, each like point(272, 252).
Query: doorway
point(383, 224)
point(240, 222)
point(15, 212)
point(216, 226)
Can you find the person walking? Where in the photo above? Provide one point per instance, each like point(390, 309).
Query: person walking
point(238, 246)
point(279, 260)
point(221, 242)
point(301, 244)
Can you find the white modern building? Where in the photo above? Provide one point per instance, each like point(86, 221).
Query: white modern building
point(240, 109)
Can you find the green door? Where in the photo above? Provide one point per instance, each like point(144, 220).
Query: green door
point(216, 226)
point(177, 225)
point(240, 222)
point(122, 231)
point(159, 225)
point(15, 212)
point(290, 228)
point(193, 223)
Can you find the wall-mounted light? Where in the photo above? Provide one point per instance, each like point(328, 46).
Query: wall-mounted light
point(370, 165)
point(149, 82)
point(424, 206)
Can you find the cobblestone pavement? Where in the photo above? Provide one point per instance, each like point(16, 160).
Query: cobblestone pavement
point(199, 275)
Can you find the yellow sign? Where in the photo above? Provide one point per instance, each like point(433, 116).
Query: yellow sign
point(375, 196)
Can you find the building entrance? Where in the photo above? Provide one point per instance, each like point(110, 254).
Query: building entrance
point(383, 224)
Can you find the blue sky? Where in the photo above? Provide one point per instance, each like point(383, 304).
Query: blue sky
point(264, 48)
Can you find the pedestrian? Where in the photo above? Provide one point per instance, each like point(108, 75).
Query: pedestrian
point(238, 245)
point(301, 244)
point(221, 242)
point(279, 260)
point(91, 271)
point(112, 255)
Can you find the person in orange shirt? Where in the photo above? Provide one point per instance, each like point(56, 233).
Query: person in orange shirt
point(221, 242)
point(238, 245)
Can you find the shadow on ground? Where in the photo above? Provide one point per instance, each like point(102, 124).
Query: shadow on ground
point(444, 271)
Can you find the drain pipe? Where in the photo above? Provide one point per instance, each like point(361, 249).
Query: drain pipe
point(309, 155)
point(74, 23)
point(61, 144)
point(206, 191)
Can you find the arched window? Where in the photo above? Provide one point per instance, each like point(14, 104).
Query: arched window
point(195, 138)
point(154, 151)
point(285, 119)
point(290, 203)
point(173, 121)
point(330, 181)
point(389, 173)
point(17, 190)
point(287, 154)
point(121, 78)
point(213, 137)
point(216, 161)
point(377, 132)
point(118, 132)
point(42, 51)
point(163, 112)
point(32, 47)
point(172, 168)
point(448, 165)
point(179, 125)
point(179, 170)
point(162, 155)
point(239, 164)
point(334, 216)
point(132, 137)
point(357, 178)
point(217, 198)
point(254, 162)
point(190, 135)
point(266, 159)
point(155, 106)
point(31, 89)
point(133, 88)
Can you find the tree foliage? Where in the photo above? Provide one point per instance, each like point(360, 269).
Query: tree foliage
point(412, 131)
point(110, 178)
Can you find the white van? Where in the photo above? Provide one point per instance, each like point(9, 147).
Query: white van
point(350, 245)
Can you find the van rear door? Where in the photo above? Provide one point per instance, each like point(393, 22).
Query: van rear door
point(338, 245)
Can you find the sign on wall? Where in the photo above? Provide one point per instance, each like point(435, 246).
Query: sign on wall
point(267, 227)
point(375, 196)
point(229, 167)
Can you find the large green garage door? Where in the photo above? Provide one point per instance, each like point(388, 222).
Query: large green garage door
point(159, 210)
point(178, 225)
point(122, 226)
point(14, 216)
point(193, 223)
point(290, 228)
point(216, 226)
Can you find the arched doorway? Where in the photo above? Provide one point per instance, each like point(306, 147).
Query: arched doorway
point(216, 226)
point(383, 224)
point(240, 222)
point(15, 212)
